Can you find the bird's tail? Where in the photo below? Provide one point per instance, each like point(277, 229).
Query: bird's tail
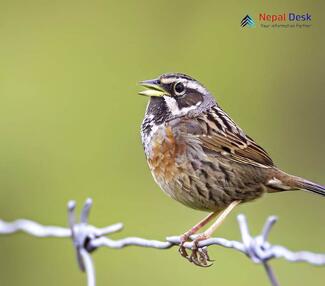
point(285, 182)
point(310, 186)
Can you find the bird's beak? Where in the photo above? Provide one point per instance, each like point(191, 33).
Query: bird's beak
point(154, 88)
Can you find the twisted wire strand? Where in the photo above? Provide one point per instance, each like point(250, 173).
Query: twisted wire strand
point(86, 238)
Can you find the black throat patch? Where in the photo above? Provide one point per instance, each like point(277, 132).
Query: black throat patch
point(156, 114)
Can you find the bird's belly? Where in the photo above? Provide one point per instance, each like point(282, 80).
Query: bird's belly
point(190, 197)
point(214, 193)
point(196, 180)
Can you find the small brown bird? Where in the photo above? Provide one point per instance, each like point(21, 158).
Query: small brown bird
point(200, 157)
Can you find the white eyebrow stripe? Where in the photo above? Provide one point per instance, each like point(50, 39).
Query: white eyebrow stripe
point(196, 86)
point(168, 80)
point(175, 79)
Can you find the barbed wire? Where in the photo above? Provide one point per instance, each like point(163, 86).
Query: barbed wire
point(86, 238)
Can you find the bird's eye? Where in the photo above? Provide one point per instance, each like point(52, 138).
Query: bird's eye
point(179, 88)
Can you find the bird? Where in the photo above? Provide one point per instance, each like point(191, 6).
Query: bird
point(201, 158)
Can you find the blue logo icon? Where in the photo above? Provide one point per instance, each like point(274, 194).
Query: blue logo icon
point(247, 21)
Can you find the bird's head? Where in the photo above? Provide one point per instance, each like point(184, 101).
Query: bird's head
point(173, 95)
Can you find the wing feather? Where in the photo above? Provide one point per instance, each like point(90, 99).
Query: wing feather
point(220, 134)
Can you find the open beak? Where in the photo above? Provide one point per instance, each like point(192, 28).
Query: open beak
point(154, 88)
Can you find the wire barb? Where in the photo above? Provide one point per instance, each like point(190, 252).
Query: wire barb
point(86, 238)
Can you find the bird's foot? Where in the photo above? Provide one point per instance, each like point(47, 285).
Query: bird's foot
point(199, 255)
point(182, 250)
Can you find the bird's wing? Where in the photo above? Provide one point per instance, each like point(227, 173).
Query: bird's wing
point(219, 134)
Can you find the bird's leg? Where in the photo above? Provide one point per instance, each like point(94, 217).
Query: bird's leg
point(199, 255)
point(185, 237)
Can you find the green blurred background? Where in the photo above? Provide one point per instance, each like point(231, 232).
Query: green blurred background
point(70, 118)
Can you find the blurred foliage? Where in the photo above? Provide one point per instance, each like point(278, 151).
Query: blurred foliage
point(70, 117)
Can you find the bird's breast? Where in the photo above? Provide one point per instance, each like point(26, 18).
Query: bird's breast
point(164, 153)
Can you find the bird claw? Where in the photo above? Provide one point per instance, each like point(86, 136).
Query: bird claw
point(182, 249)
point(199, 255)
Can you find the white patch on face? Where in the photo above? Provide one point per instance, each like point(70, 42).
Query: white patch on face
point(171, 104)
point(174, 109)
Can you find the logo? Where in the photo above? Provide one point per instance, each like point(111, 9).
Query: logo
point(278, 20)
point(284, 17)
point(247, 21)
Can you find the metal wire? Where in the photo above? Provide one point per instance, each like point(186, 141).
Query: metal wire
point(86, 238)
